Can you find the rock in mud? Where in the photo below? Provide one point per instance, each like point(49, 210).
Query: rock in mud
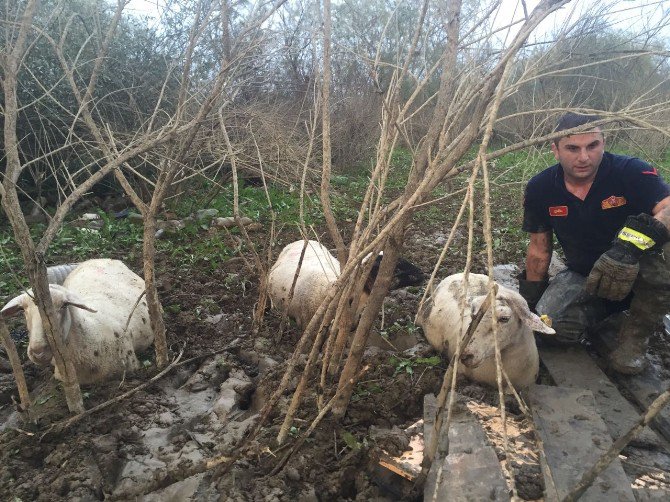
point(212, 372)
point(105, 444)
point(292, 474)
point(394, 441)
point(139, 471)
point(308, 495)
point(231, 393)
point(185, 491)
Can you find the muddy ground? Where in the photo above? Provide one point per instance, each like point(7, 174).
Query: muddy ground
point(202, 409)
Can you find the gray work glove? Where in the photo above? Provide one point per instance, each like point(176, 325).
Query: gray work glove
point(614, 273)
point(531, 291)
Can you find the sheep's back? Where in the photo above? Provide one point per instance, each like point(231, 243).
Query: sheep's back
point(319, 269)
point(112, 289)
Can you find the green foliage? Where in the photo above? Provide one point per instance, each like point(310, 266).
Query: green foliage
point(351, 441)
point(253, 203)
point(134, 73)
point(399, 327)
point(408, 365)
point(364, 390)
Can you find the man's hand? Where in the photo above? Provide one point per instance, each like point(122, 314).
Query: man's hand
point(531, 291)
point(614, 273)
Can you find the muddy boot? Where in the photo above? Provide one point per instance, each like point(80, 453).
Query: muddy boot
point(629, 356)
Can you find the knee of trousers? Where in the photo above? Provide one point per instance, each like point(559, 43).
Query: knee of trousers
point(567, 332)
point(654, 272)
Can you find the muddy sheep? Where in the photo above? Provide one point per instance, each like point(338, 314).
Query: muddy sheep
point(318, 271)
point(93, 306)
point(440, 319)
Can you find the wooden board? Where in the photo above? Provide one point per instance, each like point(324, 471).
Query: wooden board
point(574, 438)
point(573, 367)
point(644, 388)
point(471, 470)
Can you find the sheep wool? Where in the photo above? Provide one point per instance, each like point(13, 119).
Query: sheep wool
point(319, 269)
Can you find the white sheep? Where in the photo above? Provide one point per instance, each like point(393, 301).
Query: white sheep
point(93, 307)
point(318, 271)
point(441, 321)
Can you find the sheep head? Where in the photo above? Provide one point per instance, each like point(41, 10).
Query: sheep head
point(39, 350)
point(405, 274)
point(513, 319)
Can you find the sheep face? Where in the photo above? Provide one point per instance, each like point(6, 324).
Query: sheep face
point(39, 350)
point(513, 319)
point(405, 274)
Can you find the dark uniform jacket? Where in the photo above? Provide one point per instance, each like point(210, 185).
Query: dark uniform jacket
point(623, 186)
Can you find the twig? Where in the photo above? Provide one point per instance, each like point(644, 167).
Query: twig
point(15, 362)
point(139, 298)
point(289, 298)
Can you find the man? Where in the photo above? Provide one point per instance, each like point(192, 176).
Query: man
point(611, 215)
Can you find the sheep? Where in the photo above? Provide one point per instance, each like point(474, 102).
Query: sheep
point(440, 319)
point(318, 271)
point(93, 306)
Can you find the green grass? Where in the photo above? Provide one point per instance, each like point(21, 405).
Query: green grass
point(253, 203)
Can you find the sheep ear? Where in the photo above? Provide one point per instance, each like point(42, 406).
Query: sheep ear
point(74, 301)
point(14, 306)
point(531, 320)
point(536, 324)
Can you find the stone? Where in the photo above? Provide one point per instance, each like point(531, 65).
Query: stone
point(105, 444)
point(229, 221)
point(292, 474)
point(214, 319)
point(230, 393)
point(166, 418)
point(206, 214)
point(170, 225)
point(184, 490)
point(135, 217)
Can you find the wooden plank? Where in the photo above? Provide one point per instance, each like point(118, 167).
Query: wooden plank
point(644, 388)
point(471, 470)
point(573, 367)
point(574, 438)
point(649, 473)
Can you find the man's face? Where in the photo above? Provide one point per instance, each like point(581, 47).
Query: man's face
point(580, 155)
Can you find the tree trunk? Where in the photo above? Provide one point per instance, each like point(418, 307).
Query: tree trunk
point(153, 302)
point(382, 284)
